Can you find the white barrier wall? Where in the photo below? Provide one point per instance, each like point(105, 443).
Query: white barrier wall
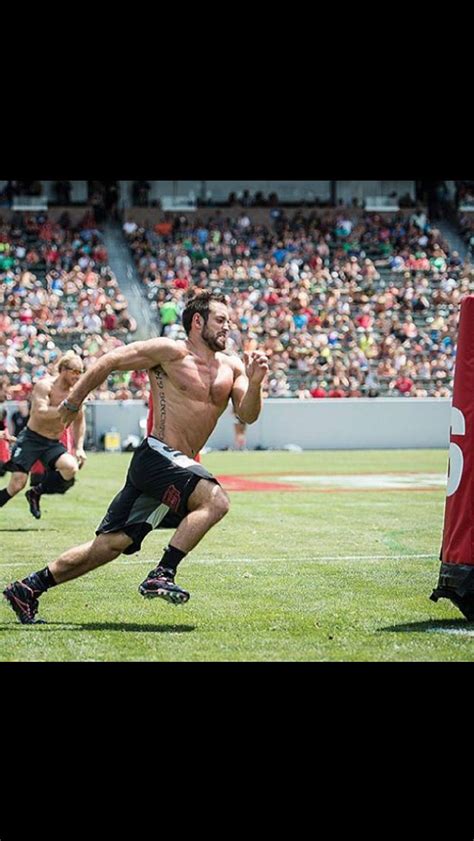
point(344, 424)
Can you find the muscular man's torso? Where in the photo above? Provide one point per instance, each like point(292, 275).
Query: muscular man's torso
point(189, 395)
point(49, 427)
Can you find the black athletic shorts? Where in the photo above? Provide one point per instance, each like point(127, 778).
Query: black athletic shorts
point(30, 447)
point(159, 482)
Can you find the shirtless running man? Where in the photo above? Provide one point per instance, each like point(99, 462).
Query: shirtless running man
point(191, 383)
point(40, 438)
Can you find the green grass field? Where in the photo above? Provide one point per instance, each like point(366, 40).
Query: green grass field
point(300, 575)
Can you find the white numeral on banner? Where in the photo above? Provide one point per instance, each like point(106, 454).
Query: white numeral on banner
point(456, 458)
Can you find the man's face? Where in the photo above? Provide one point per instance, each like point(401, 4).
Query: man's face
point(214, 332)
point(73, 372)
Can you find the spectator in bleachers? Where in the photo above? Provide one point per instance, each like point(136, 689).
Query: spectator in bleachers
point(169, 312)
point(318, 391)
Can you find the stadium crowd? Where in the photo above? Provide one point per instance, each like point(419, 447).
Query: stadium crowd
point(344, 304)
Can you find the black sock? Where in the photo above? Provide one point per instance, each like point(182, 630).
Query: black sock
point(4, 497)
point(171, 558)
point(40, 581)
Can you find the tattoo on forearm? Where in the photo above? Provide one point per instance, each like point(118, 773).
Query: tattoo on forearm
point(158, 372)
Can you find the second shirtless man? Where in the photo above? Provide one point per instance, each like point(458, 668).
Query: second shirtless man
point(39, 440)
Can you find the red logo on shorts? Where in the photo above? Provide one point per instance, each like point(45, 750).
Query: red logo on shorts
point(172, 497)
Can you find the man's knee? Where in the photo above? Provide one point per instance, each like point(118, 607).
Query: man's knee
point(112, 542)
point(220, 504)
point(69, 472)
point(67, 467)
point(211, 497)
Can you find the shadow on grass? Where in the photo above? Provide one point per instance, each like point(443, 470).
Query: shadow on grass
point(30, 528)
point(431, 625)
point(126, 627)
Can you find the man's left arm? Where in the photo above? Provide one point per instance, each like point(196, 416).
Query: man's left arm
point(247, 389)
point(79, 432)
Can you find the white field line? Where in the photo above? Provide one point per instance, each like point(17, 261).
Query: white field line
point(264, 560)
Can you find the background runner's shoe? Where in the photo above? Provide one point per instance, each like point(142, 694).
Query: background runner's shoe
point(159, 583)
point(33, 498)
point(24, 602)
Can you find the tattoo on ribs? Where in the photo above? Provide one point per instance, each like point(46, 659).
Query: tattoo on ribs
point(158, 372)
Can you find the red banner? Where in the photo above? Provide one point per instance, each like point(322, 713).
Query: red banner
point(458, 534)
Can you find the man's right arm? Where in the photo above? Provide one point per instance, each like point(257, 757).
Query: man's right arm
point(133, 357)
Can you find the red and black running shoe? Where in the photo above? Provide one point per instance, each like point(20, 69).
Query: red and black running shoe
point(24, 602)
point(159, 583)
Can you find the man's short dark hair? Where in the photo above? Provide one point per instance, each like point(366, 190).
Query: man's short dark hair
point(200, 303)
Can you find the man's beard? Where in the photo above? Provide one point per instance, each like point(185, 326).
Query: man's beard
point(212, 341)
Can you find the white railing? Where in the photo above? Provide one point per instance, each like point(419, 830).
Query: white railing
point(178, 203)
point(30, 203)
point(385, 203)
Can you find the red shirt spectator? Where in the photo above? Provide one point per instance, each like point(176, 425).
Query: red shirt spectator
point(404, 385)
point(52, 255)
point(101, 254)
point(364, 320)
point(46, 231)
point(272, 298)
point(318, 392)
point(139, 379)
point(337, 392)
point(26, 314)
point(110, 321)
point(21, 391)
point(181, 282)
point(163, 228)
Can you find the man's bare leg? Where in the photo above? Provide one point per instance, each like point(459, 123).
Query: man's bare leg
point(16, 484)
point(23, 595)
point(88, 556)
point(207, 505)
